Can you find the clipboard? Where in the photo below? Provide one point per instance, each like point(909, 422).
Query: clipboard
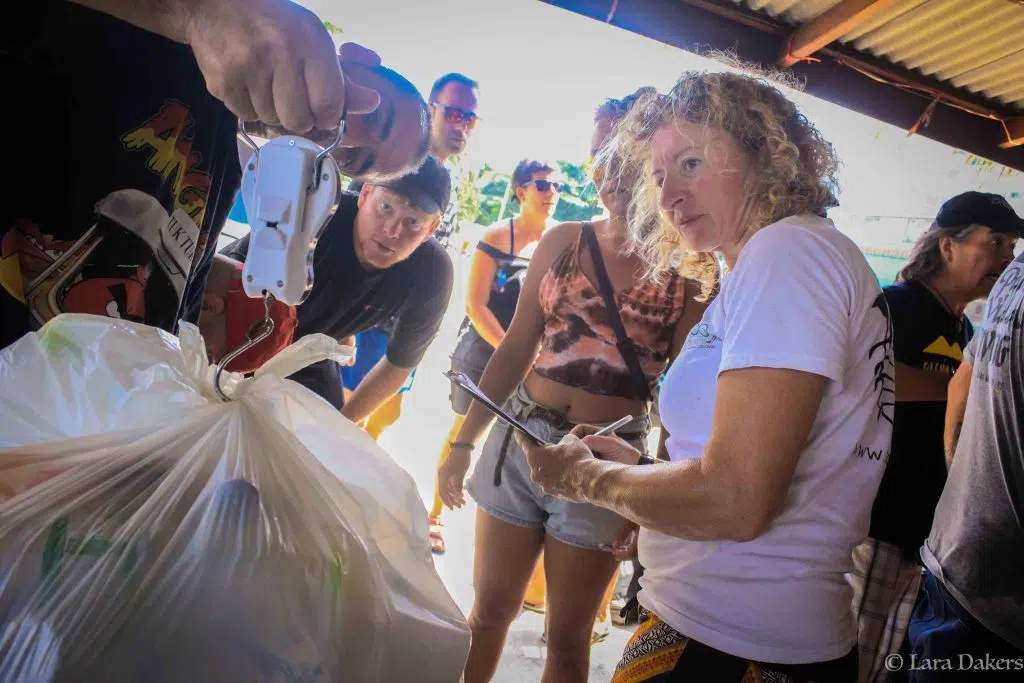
point(467, 384)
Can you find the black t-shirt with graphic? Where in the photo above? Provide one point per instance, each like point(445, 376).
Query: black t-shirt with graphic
point(348, 299)
point(926, 337)
point(121, 172)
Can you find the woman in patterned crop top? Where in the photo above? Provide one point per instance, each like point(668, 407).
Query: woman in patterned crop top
point(559, 365)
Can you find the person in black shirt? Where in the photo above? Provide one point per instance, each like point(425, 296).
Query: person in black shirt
point(121, 189)
point(453, 104)
point(127, 164)
point(375, 260)
point(955, 262)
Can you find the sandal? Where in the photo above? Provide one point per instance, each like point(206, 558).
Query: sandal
point(435, 538)
point(533, 607)
point(595, 637)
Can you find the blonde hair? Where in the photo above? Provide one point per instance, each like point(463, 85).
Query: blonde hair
point(794, 166)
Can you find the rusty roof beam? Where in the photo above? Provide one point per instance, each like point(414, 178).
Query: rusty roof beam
point(701, 26)
point(830, 27)
point(863, 62)
point(741, 15)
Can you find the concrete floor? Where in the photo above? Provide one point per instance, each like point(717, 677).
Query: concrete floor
point(414, 441)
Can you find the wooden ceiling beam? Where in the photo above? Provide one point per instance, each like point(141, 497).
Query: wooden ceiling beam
point(830, 27)
point(702, 26)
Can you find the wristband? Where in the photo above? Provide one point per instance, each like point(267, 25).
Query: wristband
point(461, 444)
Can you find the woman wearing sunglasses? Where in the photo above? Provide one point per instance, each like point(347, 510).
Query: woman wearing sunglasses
point(558, 365)
point(495, 279)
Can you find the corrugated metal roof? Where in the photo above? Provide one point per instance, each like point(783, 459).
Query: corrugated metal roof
point(977, 45)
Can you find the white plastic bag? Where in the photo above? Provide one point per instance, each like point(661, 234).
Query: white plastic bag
point(150, 532)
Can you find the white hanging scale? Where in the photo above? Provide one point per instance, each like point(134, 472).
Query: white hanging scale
point(290, 188)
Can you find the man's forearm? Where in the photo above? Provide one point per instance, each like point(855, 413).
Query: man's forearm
point(952, 438)
point(956, 408)
point(168, 18)
point(673, 498)
point(378, 386)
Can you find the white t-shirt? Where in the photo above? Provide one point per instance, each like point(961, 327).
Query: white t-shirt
point(801, 297)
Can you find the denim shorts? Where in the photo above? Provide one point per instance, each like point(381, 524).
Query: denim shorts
point(470, 358)
point(517, 500)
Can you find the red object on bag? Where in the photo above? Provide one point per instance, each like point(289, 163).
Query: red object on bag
point(241, 312)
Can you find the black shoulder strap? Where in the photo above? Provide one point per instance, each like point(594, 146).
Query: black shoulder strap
point(625, 344)
point(512, 236)
point(493, 252)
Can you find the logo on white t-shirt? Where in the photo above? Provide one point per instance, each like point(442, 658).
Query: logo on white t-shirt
point(701, 337)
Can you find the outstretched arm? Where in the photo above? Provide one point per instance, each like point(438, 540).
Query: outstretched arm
point(267, 60)
point(956, 408)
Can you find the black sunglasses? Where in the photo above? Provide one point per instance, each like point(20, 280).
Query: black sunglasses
point(456, 115)
point(545, 185)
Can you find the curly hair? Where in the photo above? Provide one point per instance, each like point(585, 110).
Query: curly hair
point(795, 166)
point(606, 164)
point(615, 110)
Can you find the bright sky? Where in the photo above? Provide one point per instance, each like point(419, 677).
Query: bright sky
point(543, 70)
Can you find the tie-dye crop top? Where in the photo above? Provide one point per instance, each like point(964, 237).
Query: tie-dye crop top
point(578, 347)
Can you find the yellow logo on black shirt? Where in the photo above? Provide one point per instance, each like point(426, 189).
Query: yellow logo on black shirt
point(941, 347)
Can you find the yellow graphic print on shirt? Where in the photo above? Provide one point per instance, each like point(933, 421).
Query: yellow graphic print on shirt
point(52, 275)
point(168, 138)
point(941, 347)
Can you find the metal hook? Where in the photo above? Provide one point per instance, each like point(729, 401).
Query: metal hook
point(318, 162)
point(249, 142)
point(259, 331)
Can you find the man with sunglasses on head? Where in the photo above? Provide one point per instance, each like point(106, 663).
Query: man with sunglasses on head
point(453, 104)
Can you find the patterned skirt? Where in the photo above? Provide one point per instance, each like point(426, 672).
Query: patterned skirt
point(657, 652)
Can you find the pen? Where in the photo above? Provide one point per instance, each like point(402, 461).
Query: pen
point(621, 422)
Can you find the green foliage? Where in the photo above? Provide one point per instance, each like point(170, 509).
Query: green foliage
point(572, 208)
point(581, 200)
point(332, 28)
point(468, 195)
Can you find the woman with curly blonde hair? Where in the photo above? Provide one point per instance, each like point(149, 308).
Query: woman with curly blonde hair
point(778, 409)
point(588, 341)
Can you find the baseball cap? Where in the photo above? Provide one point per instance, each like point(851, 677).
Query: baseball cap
point(982, 208)
point(427, 188)
point(241, 312)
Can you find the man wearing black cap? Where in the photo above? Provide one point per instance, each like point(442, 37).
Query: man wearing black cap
point(374, 261)
point(956, 261)
point(969, 609)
